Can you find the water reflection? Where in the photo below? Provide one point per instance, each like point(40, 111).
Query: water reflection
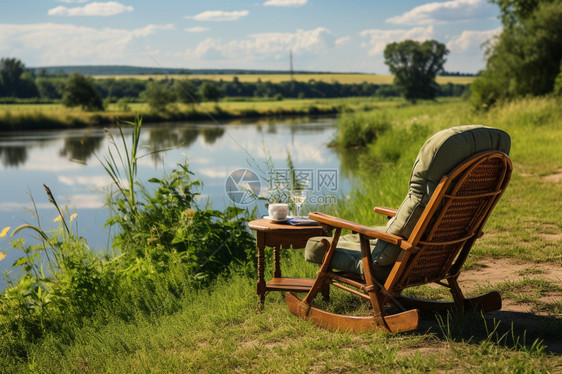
point(349, 165)
point(271, 128)
point(31, 159)
point(162, 137)
point(81, 148)
point(212, 134)
point(189, 135)
point(14, 155)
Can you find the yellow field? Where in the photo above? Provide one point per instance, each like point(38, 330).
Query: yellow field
point(276, 78)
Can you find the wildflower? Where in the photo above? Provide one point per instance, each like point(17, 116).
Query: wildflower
point(4, 231)
point(2, 255)
point(72, 217)
point(58, 219)
point(188, 213)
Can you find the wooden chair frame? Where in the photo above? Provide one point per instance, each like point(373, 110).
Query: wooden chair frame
point(434, 252)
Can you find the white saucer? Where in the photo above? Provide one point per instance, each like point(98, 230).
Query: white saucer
point(278, 220)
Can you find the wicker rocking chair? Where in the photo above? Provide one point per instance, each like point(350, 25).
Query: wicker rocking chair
point(458, 178)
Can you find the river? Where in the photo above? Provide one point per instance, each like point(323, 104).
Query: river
point(214, 152)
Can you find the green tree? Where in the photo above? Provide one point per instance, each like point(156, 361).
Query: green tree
point(525, 58)
point(415, 66)
point(50, 88)
point(210, 92)
point(80, 91)
point(15, 81)
point(186, 92)
point(158, 95)
point(11, 70)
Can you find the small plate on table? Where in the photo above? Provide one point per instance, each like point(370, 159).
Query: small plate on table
point(303, 221)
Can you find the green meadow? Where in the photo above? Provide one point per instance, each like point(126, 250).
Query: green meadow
point(16, 117)
point(161, 320)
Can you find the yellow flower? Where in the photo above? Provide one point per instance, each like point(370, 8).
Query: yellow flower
point(188, 213)
point(4, 231)
point(58, 219)
point(2, 255)
point(72, 217)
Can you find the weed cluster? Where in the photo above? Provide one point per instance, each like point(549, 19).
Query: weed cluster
point(165, 245)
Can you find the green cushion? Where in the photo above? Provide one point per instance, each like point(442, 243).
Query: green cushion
point(347, 256)
point(437, 157)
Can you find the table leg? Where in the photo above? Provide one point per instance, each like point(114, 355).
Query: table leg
point(276, 262)
point(261, 267)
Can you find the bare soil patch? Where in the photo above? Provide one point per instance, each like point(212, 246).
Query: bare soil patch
point(556, 177)
point(494, 271)
point(551, 237)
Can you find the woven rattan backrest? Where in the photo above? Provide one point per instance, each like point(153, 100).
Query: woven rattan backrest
point(454, 217)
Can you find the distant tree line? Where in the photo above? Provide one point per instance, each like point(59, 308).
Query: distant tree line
point(100, 70)
point(78, 90)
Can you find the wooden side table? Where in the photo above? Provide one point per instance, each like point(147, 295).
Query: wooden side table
point(282, 235)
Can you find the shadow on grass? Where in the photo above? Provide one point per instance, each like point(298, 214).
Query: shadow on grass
point(510, 329)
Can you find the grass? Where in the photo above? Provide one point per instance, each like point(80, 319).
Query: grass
point(276, 78)
point(218, 329)
point(221, 331)
point(44, 116)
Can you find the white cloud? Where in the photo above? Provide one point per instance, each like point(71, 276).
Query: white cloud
point(46, 164)
point(110, 8)
point(216, 173)
point(445, 12)
point(196, 29)
point(95, 181)
point(286, 3)
point(51, 43)
point(85, 201)
point(343, 40)
point(268, 45)
point(380, 38)
point(202, 160)
point(470, 39)
point(219, 15)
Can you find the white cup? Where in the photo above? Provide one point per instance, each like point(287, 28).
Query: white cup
point(278, 212)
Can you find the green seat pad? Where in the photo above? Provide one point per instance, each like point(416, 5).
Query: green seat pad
point(437, 157)
point(347, 256)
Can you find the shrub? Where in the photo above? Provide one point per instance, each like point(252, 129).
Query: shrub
point(163, 227)
point(358, 130)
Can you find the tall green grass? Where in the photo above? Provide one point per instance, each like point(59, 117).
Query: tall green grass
point(21, 117)
point(166, 246)
point(534, 126)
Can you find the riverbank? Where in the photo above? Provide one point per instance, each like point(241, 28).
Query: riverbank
point(165, 324)
point(23, 117)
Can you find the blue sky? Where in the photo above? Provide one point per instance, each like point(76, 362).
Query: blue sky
point(339, 36)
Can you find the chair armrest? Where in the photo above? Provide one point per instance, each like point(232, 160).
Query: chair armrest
point(361, 229)
point(389, 212)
